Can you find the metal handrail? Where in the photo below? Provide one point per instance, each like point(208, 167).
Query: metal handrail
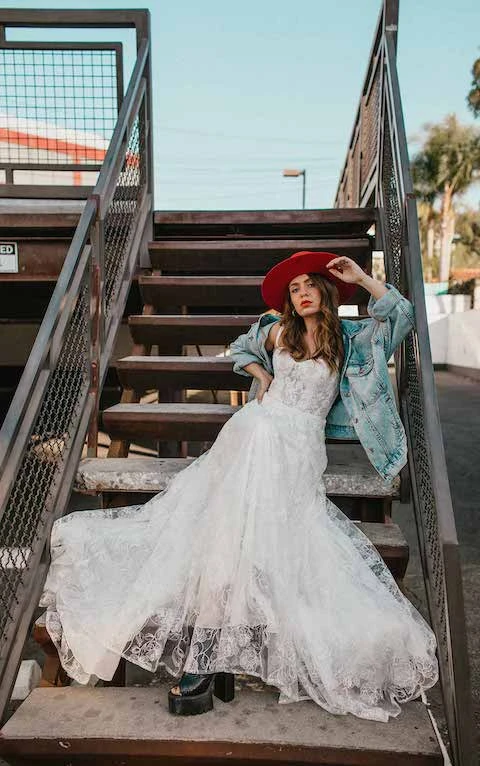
point(79, 309)
point(14, 434)
point(377, 39)
point(388, 184)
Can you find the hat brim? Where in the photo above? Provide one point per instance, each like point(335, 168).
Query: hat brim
point(276, 281)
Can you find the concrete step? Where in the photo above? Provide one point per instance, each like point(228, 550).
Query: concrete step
point(246, 256)
point(214, 290)
point(148, 476)
point(133, 725)
point(349, 474)
point(180, 372)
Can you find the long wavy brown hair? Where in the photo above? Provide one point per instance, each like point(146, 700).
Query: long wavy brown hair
point(328, 337)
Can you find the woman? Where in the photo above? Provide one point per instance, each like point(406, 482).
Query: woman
point(243, 565)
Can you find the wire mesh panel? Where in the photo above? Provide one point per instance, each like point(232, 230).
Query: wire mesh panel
point(33, 494)
point(355, 171)
point(71, 94)
point(391, 205)
point(349, 191)
point(385, 166)
point(122, 213)
point(424, 496)
point(369, 127)
point(58, 103)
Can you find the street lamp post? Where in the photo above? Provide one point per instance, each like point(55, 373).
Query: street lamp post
point(290, 173)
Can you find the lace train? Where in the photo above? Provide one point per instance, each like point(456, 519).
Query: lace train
point(242, 565)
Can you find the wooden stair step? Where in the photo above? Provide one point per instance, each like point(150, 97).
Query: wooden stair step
point(43, 216)
point(161, 291)
point(180, 372)
point(263, 223)
point(106, 725)
point(171, 329)
point(174, 330)
point(40, 256)
point(214, 290)
point(175, 421)
point(167, 421)
point(245, 256)
point(356, 478)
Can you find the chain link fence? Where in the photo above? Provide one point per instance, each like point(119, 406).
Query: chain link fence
point(59, 105)
point(32, 498)
point(123, 210)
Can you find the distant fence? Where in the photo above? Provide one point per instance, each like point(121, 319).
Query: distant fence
point(59, 105)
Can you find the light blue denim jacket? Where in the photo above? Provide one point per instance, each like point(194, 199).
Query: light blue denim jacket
point(365, 407)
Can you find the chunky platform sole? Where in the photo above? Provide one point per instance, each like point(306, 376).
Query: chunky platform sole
point(222, 685)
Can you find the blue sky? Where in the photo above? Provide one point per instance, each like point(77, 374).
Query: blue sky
point(243, 90)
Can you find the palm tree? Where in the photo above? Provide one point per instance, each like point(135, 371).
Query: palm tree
point(423, 172)
point(428, 223)
point(473, 98)
point(446, 167)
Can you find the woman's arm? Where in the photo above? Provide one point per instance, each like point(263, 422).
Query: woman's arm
point(250, 356)
point(394, 313)
point(264, 378)
point(348, 271)
point(374, 286)
point(272, 336)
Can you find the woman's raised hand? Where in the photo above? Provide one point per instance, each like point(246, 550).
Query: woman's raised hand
point(346, 269)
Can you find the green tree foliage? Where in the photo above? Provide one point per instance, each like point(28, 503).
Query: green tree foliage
point(467, 239)
point(446, 166)
point(428, 219)
point(473, 98)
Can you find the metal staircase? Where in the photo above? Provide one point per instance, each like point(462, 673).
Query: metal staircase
point(199, 275)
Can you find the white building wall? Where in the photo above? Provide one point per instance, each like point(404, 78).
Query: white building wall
point(454, 330)
point(464, 339)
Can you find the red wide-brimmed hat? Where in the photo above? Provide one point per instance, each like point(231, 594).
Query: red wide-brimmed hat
point(276, 281)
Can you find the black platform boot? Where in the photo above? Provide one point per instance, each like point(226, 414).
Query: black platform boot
point(196, 692)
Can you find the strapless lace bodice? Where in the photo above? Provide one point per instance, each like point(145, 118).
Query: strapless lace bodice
point(309, 385)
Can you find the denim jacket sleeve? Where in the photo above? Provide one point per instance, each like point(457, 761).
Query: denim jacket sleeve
point(250, 346)
point(396, 315)
point(241, 351)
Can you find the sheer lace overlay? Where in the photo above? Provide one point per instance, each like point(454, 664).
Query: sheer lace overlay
point(308, 385)
point(244, 565)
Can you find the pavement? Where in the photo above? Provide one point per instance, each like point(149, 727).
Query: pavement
point(459, 402)
point(459, 405)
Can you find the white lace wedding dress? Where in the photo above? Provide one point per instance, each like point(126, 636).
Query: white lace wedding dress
point(243, 565)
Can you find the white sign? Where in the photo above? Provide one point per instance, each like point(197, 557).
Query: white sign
point(8, 258)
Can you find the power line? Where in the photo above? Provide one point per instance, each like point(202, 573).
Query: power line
point(249, 138)
point(237, 170)
point(218, 162)
point(240, 195)
point(233, 182)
